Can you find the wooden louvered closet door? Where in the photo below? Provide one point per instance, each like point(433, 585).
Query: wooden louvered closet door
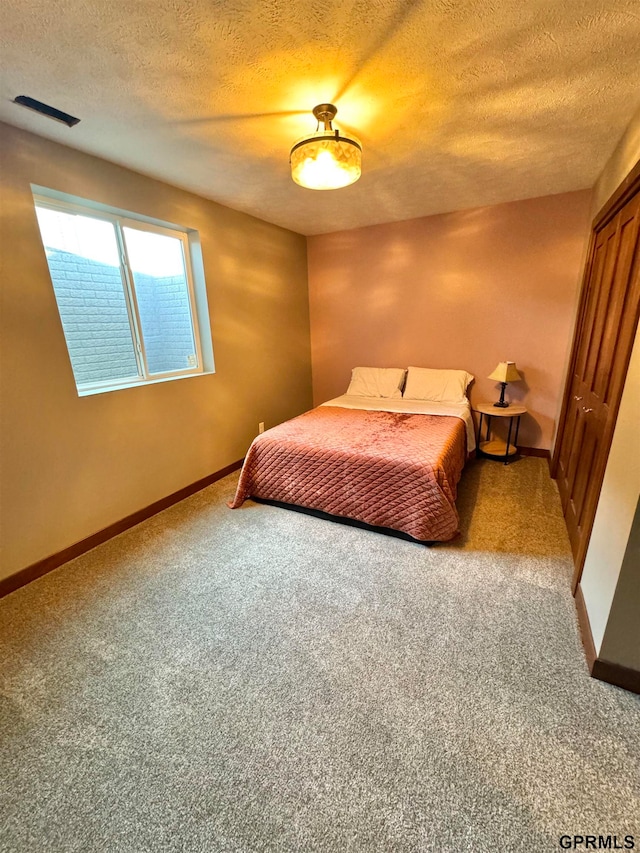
point(607, 326)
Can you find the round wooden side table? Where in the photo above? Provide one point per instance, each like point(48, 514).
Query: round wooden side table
point(496, 448)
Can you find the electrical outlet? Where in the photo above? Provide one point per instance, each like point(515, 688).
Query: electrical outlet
point(261, 427)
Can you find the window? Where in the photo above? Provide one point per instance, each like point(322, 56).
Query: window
point(125, 292)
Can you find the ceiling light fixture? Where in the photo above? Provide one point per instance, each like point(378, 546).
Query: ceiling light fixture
point(326, 159)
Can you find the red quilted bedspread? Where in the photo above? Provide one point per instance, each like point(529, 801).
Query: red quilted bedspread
point(384, 468)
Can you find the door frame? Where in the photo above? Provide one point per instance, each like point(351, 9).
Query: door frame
point(612, 206)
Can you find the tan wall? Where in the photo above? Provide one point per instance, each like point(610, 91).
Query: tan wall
point(462, 290)
point(615, 512)
point(70, 465)
point(621, 643)
point(624, 157)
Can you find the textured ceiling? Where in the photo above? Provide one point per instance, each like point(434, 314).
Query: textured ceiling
point(458, 103)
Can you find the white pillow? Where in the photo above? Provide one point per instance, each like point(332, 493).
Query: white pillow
point(376, 382)
point(440, 386)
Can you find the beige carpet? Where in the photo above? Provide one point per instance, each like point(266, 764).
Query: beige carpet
point(262, 680)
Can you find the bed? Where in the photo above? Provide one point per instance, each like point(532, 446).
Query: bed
point(387, 461)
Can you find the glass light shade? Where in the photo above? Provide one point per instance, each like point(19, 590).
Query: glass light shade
point(505, 372)
point(326, 161)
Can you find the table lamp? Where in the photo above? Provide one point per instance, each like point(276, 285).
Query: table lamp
point(504, 372)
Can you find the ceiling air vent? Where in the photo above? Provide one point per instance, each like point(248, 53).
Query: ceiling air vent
point(46, 110)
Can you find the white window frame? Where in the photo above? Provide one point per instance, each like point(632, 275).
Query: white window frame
point(119, 220)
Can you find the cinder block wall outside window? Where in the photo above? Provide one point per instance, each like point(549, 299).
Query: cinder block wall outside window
point(95, 322)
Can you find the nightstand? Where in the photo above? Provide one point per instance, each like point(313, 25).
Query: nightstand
point(495, 448)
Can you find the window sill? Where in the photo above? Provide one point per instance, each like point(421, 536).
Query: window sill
point(138, 383)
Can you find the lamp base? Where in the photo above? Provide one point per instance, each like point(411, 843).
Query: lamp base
point(502, 404)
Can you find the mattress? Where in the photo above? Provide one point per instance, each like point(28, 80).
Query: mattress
point(392, 469)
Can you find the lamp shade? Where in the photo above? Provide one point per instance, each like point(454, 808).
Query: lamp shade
point(326, 161)
point(505, 372)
